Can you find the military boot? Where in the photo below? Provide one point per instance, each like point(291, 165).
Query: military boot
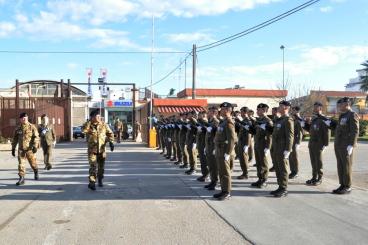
point(36, 176)
point(100, 184)
point(20, 181)
point(92, 185)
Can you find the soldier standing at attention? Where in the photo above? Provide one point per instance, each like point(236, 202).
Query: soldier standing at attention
point(346, 135)
point(201, 145)
point(26, 137)
point(251, 146)
point(262, 144)
point(98, 134)
point(118, 126)
point(275, 117)
point(179, 154)
point(319, 138)
point(298, 136)
point(225, 149)
point(283, 137)
point(213, 123)
point(182, 139)
point(191, 144)
point(244, 141)
point(48, 140)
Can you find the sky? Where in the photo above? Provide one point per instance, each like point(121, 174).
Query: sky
point(324, 43)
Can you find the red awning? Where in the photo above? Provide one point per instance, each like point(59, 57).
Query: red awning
point(179, 109)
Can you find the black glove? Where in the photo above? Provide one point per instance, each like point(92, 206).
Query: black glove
point(13, 152)
point(34, 149)
point(112, 146)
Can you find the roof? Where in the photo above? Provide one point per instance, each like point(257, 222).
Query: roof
point(53, 82)
point(234, 93)
point(180, 102)
point(339, 93)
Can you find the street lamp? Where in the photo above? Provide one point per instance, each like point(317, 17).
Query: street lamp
point(282, 47)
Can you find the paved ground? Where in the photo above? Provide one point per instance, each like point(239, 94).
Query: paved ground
point(148, 200)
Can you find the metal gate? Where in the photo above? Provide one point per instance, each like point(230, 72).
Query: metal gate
point(55, 108)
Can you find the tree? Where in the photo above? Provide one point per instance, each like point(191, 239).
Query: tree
point(364, 77)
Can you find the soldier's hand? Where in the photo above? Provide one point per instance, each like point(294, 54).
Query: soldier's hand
point(324, 148)
point(350, 149)
point(266, 151)
point(13, 152)
point(194, 146)
point(34, 149)
point(286, 154)
point(245, 149)
point(227, 157)
point(112, 147)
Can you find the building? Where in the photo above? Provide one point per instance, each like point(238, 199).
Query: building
point(238, 97)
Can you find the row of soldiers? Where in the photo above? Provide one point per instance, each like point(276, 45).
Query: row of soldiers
point(221, 135)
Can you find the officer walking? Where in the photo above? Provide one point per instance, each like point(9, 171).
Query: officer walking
point(283, 137)
point(99, 133)
point(319, 138)
point(262, 144)
point(224, 149)
point(48, 140)
point(346, 135)
point(298, 136)
point(118, 126)
point(27, 139)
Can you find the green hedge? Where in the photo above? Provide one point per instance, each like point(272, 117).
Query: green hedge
point(363, 128)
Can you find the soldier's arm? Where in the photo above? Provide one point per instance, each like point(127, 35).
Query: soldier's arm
point(85, 127)
point(289, 134)
point(109, 134)
point(299, 133)
point(15, 139)
point(230, 137)
point(354, 129)
point(269, 134)
point(325, 133)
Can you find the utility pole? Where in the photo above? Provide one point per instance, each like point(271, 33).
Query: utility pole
point(194, 71)
point(151, 87)
point(185, 73)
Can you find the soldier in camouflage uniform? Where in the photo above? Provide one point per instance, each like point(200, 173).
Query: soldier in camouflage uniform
point(283, 137)
point(225, 150)
point(48, 140)
point(346, 135)
point(26, 137)
point(213, 123)
point(98, 134)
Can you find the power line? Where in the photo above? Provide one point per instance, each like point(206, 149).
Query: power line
point(257, 27)
point(171, 72)
point(89, 52)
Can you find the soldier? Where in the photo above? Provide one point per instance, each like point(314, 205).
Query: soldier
point(190, 142)
point(319, 138)
point(118, 127)
point(201, 145)
point(26, 137)
point(137, 129)
point(125, 133)
point(262, 144)
point(298, 136)
point(182, 140)
point(168, 139)
point(98, 134)
point(178, 124)
point(283, 137)
point(275, 117)
point(244, 141)
point(224, 149)
point(173, 139)
point(48, 140)
point(162, 132)
point(213, 123)
point(346, 135)
point(251, 146)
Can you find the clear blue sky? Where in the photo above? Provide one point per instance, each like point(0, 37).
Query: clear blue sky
point(325, 43)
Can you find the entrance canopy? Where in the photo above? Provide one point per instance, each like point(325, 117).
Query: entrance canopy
point(172, 106)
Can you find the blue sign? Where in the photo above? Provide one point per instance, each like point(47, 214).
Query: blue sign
point(123, 103)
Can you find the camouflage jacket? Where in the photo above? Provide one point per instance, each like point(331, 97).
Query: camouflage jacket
point(98, 134)
point(26, 136)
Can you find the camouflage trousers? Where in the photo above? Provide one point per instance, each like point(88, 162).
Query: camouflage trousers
point(22, 157)
point(47, 153)
point(96, 165)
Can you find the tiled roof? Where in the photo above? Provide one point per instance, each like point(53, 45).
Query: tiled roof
point(234, 93)
point(180, 102)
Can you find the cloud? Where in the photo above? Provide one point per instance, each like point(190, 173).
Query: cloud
point(195, 37)
point(72, 65)
point(326, 9)
point(6, 28)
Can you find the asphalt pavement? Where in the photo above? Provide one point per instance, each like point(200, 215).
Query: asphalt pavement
point(148, 200)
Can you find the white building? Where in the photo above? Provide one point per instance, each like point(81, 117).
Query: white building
point(354, 83)
point(238, 97)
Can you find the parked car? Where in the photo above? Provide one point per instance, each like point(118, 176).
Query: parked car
point(77, 132)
